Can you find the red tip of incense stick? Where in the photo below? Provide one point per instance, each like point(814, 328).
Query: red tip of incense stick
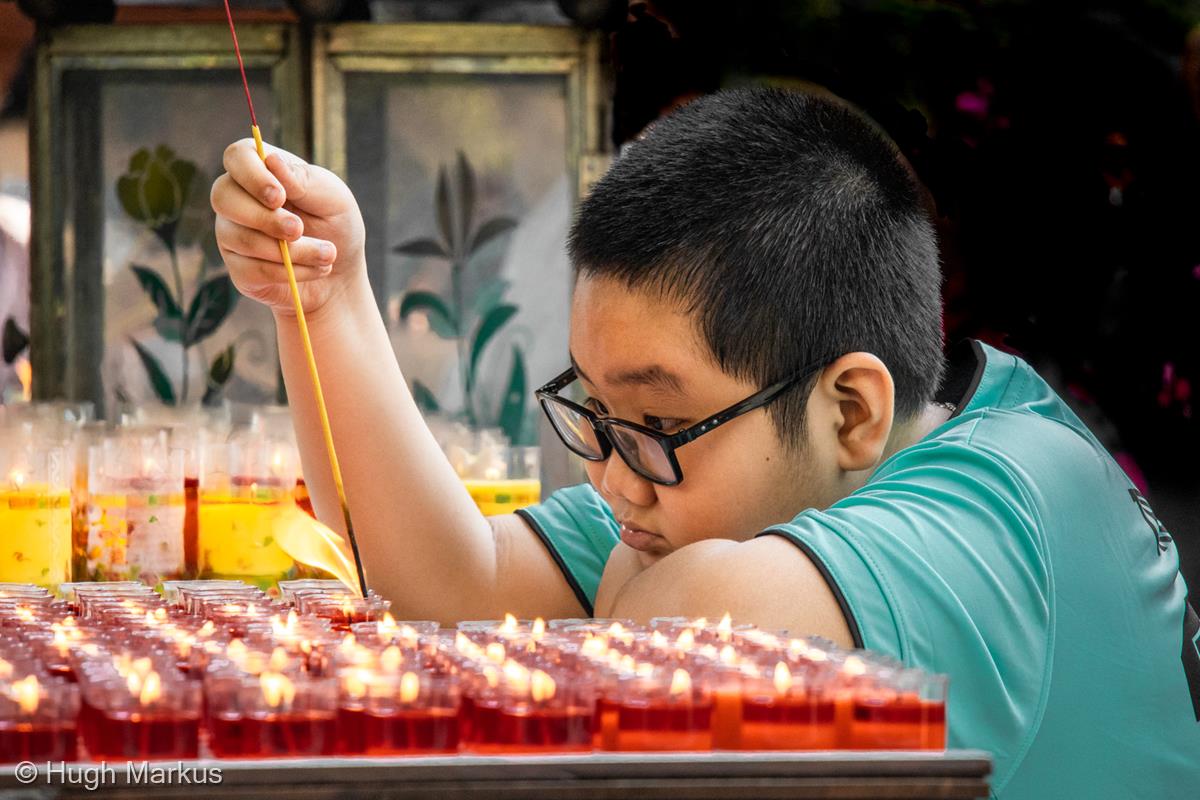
point(242, 67)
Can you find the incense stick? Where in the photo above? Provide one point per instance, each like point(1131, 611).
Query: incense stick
point(334, 467)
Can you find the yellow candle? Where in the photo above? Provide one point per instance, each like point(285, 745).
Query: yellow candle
point(35, 535)
point(503, 496)
point(237, 534)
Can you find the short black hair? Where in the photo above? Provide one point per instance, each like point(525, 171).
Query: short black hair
point(791, 226)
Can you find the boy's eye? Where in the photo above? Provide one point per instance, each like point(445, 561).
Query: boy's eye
point(596, 405)
point(663, 424)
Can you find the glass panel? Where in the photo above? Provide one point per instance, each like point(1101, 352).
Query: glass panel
point(138, 236)
point(501, 141)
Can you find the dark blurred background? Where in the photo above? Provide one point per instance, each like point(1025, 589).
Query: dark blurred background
point(1058, 142)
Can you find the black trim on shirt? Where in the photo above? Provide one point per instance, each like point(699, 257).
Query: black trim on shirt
point(965, 363)
point(580, 595)
point(851, 622)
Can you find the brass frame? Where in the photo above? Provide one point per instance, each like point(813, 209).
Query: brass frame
point(66, 308)
point(435, 48)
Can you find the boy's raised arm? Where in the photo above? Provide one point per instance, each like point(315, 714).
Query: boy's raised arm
point(765, 581)
point(424, 543)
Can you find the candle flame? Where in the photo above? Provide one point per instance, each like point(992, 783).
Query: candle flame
point(495, 652)
point(354, 682)
point(17, 477)
point(541, 686)
point(236, 651)
point(277, 690)
point(686, 640)
point(391, 659)
point(657, 640)
point(279, 659)
point(510, 624)
point(594, 647)
point(725, 628)
point(854, 666)
point(681, 683)
point(644, 669)
point(207, 629)
point(387, 625)
point(151, 689)
point(492, 676)
point(797, 648)
point(6, 669)
point(410, 687)
point(783, 678)
point(347, 608)
point(616, 629)
point(516, 675)
point(539, 628)
point(26, 693)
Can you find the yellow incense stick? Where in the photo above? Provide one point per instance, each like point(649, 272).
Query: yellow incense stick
point(334, 467)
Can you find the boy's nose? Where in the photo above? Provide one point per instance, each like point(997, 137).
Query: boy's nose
point(618, 479)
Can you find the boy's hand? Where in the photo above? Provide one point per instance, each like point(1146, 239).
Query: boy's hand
point(257, 203)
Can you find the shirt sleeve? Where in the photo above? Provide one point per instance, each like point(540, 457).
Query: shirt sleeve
point(938, 562)
point(579, 530)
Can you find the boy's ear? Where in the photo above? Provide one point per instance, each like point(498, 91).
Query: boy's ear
point(861, 401)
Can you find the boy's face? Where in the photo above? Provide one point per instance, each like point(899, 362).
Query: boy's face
point(737, 480)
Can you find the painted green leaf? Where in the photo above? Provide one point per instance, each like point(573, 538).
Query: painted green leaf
point(421, 247)
point(221, 369)
point(512, 405)
point(424, 398)
point(158, 377)
point(15, 340)
point(466, 195)
point(213, 302)
point(137, 162)
point(160, 193)
point(489, 230)
point(169, 322)
point(441, 318)
point(127, 193)
point(488, 327)
point(489, 296)
point(444, 213)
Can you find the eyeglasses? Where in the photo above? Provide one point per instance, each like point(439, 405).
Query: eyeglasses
point(648, 452)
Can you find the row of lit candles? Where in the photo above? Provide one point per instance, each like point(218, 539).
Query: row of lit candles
point(223, 666)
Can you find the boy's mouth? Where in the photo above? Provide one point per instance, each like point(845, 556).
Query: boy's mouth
point(641, 540)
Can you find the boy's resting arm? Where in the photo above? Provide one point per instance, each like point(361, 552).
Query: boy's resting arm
point(766, 581)
point(424, 542)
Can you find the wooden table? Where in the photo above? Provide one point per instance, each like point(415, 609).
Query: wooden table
point(672, 776)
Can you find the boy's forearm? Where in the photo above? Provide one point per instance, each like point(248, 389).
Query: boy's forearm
point(424, 542)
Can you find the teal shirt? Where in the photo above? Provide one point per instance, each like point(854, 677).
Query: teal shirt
point(1008, 550)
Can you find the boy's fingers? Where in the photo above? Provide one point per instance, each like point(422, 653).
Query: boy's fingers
point(312, 189)
point(242, 163)
point(231, 202)
point(291, 172)
point(251, 274)
point(249, 242)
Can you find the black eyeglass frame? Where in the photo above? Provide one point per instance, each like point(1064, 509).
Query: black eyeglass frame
point(668, 442)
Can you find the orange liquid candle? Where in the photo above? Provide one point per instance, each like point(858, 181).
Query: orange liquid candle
point(902, 723)
point(412, 732)
point(24, 741)
point(665, 725)
point(788, 723)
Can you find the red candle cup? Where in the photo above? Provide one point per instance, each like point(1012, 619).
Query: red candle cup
point(663, 712)
point(405, 714)
point(905, 710)
point(272, 714)
point(787, 711)
point(532, 711)
point(141, 717)
point(38, 720)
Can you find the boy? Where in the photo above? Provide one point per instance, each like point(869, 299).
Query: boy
point(766, 254)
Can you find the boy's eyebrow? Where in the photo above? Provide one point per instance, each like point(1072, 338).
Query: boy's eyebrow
point(653, 375)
